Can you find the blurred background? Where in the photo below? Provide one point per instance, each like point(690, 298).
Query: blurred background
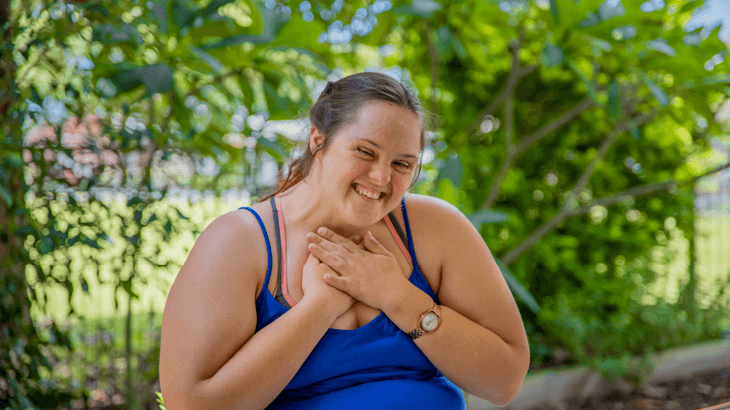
point(587, 141)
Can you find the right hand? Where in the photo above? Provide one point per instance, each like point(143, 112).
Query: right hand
point(314, 286)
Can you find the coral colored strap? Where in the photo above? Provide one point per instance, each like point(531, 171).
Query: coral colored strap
point(402, 247)
point(284, 286)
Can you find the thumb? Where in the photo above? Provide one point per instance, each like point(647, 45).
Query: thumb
point(336, 281)
point(312, 259)
point(373, 245)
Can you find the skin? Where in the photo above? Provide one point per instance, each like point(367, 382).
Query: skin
point(344, 267)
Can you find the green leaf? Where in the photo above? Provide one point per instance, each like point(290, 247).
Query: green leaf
point(452, 169)
point(487, 216)
point(691, 5)
point(211, 8)
point(94, 8)
point(182, 15)
point(209, 59)
point(92, 243)
point(552, 55)
point(444, 40)
point(6, 195)
point(272, 147)
point(157, 78)
point(273, 22)
point(418, 8)
point(657, 92)
point(458, 47)
point(614, 100)
point(517, 289)
point(24, 231)
point(635, 133)
point(554, 11)
point(105, 237)
point(107, 33)
point(662, 46)
point(716, 79)
point(588, 84)
point(447, 191)
point(300, 35)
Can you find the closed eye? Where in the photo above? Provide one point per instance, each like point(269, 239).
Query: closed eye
point(366, 152)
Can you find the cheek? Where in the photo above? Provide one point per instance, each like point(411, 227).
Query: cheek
point(400, 182)
point(355, 170)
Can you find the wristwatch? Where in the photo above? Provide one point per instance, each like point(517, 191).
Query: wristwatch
point(429, 322)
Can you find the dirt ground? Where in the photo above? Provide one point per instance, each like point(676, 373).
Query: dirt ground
point(697, 391)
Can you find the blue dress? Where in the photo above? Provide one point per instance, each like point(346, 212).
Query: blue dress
point(376, 366)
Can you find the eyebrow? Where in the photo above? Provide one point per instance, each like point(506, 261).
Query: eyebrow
point(379, 147)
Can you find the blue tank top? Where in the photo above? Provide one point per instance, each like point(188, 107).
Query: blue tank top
point(376, 366)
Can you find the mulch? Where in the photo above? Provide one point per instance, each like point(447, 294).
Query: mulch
point(706, 390)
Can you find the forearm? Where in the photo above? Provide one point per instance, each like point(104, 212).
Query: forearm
point(472, 356)
point(265, 364)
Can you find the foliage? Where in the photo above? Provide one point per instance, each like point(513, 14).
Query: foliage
point(565, 131)
point(582, 123)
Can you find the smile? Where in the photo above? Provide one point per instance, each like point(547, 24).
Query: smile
point(367, 194)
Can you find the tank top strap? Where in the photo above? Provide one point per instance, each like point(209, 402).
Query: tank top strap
point(417, 274)
point(268, 249)
point(411, 250)
point(284, 275)
point(279, 296)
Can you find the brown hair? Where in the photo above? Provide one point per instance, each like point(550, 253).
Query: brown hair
point(338, 104)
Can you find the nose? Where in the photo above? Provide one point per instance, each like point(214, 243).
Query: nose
point(380, 173)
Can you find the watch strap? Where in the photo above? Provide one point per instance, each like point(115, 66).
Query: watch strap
point(415, 334)
point(419, 331)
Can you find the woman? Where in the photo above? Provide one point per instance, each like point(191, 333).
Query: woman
point(349, 311)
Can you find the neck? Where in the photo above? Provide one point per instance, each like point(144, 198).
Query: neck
point(307, 209)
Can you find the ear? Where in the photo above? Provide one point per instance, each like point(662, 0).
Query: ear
point(316, 139)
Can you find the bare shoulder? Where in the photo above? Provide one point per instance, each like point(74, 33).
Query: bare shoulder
point(210, 310)
point(437, 220)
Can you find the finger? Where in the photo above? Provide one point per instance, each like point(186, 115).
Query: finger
point(357, 240)
point(330, 259)
point(332, 237)
point(372, 245)
point(337, 282)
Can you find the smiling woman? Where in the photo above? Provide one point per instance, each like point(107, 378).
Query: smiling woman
point(344, 314)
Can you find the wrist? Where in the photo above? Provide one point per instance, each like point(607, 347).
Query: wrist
point(319, 306)
point(407, 310)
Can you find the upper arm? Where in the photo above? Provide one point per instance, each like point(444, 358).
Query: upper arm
point(471, 282)
point(210, 311)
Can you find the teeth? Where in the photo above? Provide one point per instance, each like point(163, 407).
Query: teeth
point(367, 194)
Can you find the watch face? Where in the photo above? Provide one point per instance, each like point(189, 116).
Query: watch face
point(430, 322)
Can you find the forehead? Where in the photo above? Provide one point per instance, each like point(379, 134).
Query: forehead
point(388, 124)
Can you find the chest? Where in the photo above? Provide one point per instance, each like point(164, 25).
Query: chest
point(359, 314)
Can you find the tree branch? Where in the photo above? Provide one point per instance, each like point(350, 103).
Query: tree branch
point(564, 213)
point(434, 54)
point(515, 74)
point(514, 152)
point(534, 237)
point(646, 189)
point(606, 145)
point(508, 95)
point(555, 124)
point(566, 209)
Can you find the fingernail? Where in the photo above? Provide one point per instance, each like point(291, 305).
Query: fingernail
point(322, 231)
point(327, 277)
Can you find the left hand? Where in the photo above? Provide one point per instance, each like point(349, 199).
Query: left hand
point(370, 274)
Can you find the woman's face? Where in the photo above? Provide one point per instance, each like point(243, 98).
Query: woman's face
point(375, 155)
